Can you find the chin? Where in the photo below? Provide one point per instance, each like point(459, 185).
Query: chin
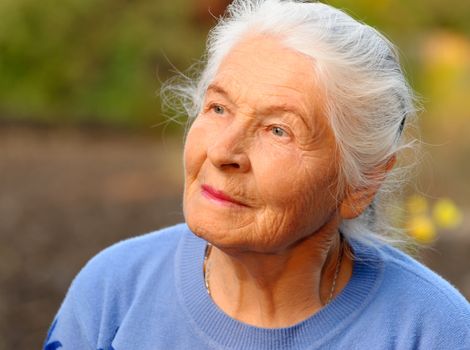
point(218, 232)
point(240, 230)
point(232, 238)
point(221, 226)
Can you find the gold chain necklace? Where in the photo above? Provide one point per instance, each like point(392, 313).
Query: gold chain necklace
point(206, 269)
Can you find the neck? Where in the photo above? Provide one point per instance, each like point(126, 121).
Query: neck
point(282, 289)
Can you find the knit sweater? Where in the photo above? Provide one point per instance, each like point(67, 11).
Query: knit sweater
point(148, 293)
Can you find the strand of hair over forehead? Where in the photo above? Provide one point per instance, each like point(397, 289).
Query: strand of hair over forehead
point(356, 67)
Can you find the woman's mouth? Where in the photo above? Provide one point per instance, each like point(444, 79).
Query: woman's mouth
point(219, 196)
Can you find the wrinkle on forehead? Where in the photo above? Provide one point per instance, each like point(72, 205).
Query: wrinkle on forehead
point(261, 71)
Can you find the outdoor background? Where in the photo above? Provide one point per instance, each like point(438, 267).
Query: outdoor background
point(87, 158)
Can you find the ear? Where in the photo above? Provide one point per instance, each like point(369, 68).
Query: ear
point(357, 200)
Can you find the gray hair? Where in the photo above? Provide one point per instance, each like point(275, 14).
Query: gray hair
point(368, 98)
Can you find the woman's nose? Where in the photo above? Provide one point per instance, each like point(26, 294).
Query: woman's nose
point(228, 150)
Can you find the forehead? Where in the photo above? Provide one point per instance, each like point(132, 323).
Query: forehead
point(261, 70)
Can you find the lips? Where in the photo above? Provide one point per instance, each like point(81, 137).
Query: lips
point(219, 196)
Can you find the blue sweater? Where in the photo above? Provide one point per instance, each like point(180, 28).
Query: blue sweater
point(148, 293)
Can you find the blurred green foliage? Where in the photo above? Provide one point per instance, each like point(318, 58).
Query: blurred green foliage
point(405, 19)
point(94, 61)
point(102, 61)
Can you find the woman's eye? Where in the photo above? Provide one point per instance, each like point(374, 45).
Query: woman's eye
point(218, 109)
point(279, 132)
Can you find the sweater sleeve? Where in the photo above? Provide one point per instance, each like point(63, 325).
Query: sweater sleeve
point(96, 301)
point(66, 331)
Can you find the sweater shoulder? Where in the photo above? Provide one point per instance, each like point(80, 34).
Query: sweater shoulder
point(123, 255)
point(112, 282)
point(114, 278)
point(420, 287)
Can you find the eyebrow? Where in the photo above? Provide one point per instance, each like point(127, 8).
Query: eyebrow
point(284, 107)
point(217, 88)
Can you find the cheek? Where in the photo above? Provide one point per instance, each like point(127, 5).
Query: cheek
point(296, 186)
point(279, 176)
point(193, 156)
point(194, 151)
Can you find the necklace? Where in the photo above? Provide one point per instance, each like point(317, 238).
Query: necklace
point(206, 269)
point(338, 267)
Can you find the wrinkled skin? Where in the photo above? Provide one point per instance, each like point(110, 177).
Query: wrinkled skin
point(262, 139)
point(261, 170)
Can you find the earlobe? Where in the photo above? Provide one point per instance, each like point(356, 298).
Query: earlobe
point(357, 200)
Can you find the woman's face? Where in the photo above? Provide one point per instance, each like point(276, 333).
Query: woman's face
point(260, 159)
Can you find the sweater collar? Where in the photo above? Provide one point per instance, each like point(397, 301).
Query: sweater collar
point(223, 331)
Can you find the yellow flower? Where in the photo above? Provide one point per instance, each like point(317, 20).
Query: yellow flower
point(417, 205)
point(422, 229)
point(446, 214)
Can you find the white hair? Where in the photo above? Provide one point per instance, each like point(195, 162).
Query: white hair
point(368, 98)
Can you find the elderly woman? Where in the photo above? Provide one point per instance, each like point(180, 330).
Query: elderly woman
point(298, 119)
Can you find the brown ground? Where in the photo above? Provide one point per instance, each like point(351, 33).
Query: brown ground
point(67, 194)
